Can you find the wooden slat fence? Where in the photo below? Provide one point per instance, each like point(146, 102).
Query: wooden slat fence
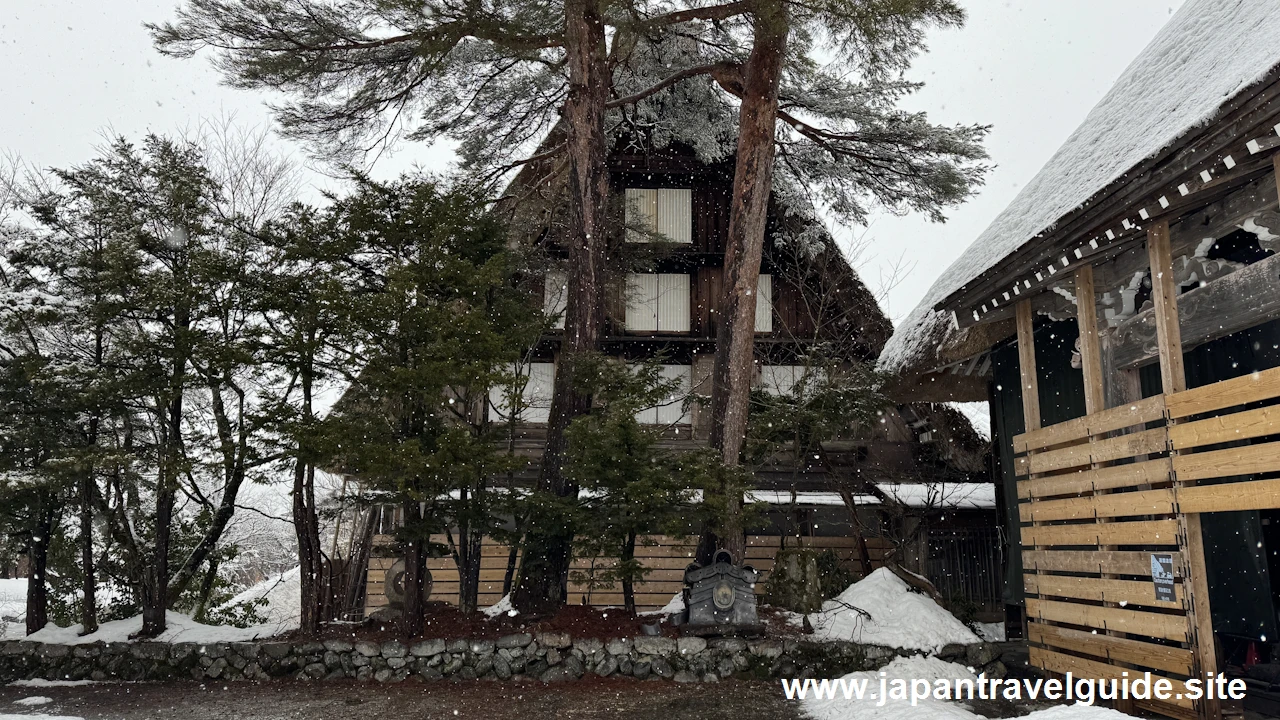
point(1099, 495)
point(666, 557)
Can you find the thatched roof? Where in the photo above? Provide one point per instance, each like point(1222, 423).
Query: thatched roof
point(1208, 54)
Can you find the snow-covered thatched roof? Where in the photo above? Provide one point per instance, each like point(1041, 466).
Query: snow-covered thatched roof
point(1209, 52)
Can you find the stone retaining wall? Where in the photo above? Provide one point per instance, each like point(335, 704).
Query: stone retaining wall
point(548, 657)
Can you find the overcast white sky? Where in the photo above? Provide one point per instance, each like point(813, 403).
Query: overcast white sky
point(72, 70)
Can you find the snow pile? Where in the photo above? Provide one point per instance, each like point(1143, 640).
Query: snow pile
point(34, 700)
point(1195, 65)
point(181, 628)
point(41, 682)
point(931, 669)
point(991, 632)
point(283, 595)
point(13, 597)
point(673, 606)
point(903, 668)
point(895, 617)
point(502, 607)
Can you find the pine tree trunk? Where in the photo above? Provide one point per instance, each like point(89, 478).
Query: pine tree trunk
point(88, 490)
point(38, 558)
point(89, 586)
point(752, 182)
point(628, 583)
point(469, 554)
point(545, 568)
point(306, 525)
point(415, 566)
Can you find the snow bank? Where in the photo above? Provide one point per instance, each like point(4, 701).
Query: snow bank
point(41, 682)
point(283, 594)
point(931, 669)
point(502, 607)
point(13, 598)
point(673, 606)
point(906, 668)
point(1195, 65)
point(34, 700)
point(181, 628)
point(899, 617)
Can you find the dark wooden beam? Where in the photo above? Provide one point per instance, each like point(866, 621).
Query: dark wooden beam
point(1247, 297)
point(1246, 118)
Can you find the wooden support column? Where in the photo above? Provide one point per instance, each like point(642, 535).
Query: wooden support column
point(1173, 379)
point(1094, 399)
point(1090, 349)
point(1030, 392)
point(1027, 368)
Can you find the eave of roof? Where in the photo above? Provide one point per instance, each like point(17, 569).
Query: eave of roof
point(1196, 66)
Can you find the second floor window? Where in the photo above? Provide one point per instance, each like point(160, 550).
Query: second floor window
point(764, 304)
point(672, 410)
point(534, 401)
point(662, 211)
point(657, 303)
point(555, 296)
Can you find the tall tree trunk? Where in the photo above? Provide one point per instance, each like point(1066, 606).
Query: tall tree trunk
point(89, 586)
point(38, 559)
point(628, 583)
point(306, 526)
point(468, 561)
point(415, 568)
point(88, 492)
point(155, 600)
point(544, 572)
point(752, 182)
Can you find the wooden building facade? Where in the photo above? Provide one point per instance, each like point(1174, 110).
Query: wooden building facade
point(672, 211)
point(1123, 317)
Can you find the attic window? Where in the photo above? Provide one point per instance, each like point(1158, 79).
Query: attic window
point(666, 212)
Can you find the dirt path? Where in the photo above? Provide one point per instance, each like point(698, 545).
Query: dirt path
point(582, 700)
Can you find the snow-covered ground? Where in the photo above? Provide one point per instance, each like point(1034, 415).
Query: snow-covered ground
point(181, 628)
point(283, 594)
point(895, 616)
point(13, 607)
point(930, 669)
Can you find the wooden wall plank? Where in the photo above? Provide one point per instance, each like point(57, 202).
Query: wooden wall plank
point(1263, 385)
point(1248, 460)
point(1228, 497)
point(1147, 472)
point(1115, 562)
point(1132, 592)
point(1062, 663)
point(1143, 532)
point(1226, 428)
point(1151, 624)
point(1122, 504)
point(1116, 649)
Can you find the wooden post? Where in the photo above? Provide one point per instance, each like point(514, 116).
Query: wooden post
point(1030, 392)
point(1094, 398)
point(1173, 379)
point(1027, 368)
point(1165, 297)
point(1090, 350)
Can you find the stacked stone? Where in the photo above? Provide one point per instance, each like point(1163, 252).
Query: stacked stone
point(545, 657)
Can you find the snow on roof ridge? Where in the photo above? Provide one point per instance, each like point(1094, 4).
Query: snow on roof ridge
point(1199, 61)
